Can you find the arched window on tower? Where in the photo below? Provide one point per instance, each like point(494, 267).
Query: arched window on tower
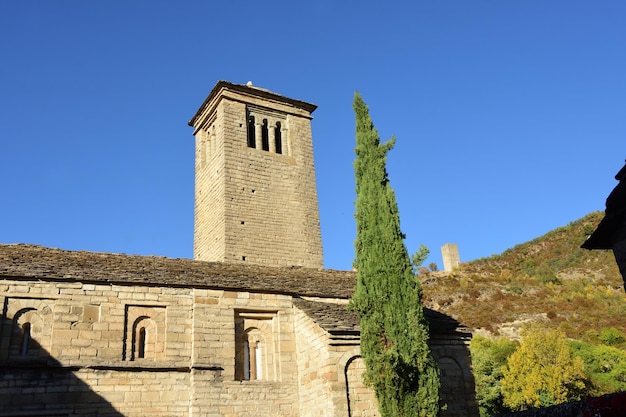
point(265, 137)
point(278, 138)
point(251, 133)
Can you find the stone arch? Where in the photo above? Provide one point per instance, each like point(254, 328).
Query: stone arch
point(360, 401)
point(144, 339)
point(29, 329)
point(26, 330)
point(452, 380)
point(144, 333)
point(457, 389)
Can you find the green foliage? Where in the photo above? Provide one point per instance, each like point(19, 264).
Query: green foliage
point(433, 266)
point(611, 336)
point(543, 371)
point(516, 289)
point(418, 258)
point(605, 365)
point(394, 331)
point(546, 274)
point(489, 356)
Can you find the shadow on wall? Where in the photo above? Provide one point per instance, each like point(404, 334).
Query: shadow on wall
point(33, 383)
point(449, 343)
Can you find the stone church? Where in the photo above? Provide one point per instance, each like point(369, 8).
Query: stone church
point(252, 326)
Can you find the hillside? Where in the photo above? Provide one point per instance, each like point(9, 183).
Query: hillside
point(549, 279)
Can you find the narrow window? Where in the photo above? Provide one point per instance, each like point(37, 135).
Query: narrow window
point(25, 339)
point(246, 361)
point(141, 343)
point(278, 139)
point(251, 133)
point(265, 137)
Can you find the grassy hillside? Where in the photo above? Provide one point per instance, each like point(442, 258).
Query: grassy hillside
point(548, 279)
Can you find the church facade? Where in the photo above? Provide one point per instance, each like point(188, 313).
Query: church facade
point(253, 326)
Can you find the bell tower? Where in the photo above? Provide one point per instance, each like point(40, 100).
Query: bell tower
point(255, 191)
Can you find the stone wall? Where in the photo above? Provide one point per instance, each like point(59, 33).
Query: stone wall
point(142, 350)
point(314, 387)
point(458, 392)
point(330, 374)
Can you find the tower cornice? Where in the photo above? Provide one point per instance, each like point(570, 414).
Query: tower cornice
point(248, 90)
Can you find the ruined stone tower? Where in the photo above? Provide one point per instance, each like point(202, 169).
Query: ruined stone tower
point(450, 255)
point(255, 191)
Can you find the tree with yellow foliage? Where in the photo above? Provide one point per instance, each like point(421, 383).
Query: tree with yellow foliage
point(543, 371)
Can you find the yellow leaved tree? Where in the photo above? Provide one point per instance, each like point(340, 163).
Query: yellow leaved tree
point(543, 371)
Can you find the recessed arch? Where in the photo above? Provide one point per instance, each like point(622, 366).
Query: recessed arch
point(144, 335)
point(31, 327)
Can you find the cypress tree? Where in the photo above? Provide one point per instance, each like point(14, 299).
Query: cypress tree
point(394, 332)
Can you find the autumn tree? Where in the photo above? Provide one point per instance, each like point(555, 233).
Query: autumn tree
point(394, 332)
point(543, 371)
point(489, 356)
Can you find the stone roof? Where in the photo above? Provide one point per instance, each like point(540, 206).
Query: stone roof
point(332, 317)
point(30, 261)
point(21, 261)
point(336, 319)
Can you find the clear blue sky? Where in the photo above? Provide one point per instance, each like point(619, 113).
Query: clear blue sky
point(510, 116)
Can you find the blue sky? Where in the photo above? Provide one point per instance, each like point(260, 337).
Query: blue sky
point(510, 116)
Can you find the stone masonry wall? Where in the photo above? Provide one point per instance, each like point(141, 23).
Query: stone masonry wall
point(85, 351)
point(457, 382)
point(210, 194)
point(330, 375)
point(315, 399)
point(361, 399)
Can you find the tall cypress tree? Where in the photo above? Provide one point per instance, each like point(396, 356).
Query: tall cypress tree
point(394, 331)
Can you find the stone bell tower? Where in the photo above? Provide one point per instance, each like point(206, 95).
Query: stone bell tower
point(255, 191)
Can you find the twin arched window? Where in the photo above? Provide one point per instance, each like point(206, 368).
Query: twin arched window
point(255, 349)
point(253, 356)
